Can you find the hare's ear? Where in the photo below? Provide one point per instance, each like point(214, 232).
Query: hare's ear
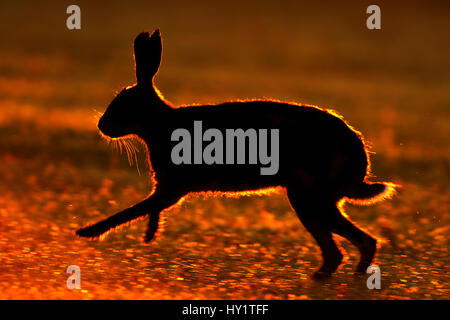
point(147, 55)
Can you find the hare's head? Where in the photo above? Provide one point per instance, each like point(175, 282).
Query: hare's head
point(135, 105)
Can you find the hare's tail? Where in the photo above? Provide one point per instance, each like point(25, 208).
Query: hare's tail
point(367, 193)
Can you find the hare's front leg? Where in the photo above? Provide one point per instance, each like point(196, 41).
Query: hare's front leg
point(161, 199)
point(159, 202)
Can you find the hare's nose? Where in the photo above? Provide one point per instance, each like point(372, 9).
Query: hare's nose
point(101, 124)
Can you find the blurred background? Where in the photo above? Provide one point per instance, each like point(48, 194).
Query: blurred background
point(57, 174)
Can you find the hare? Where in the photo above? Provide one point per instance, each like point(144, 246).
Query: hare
point(322, 161)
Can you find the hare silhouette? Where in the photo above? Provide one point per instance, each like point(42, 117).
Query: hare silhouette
point(323, 161)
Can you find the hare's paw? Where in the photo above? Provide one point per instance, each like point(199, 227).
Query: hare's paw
point(368, 250)
point(91, 231)
point(329, 267)
point(149, 235)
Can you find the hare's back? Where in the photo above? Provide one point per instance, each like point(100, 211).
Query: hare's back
point(258, 114)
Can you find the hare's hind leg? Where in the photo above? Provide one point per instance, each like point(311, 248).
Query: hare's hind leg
point(311, 212)
point(366, 244)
